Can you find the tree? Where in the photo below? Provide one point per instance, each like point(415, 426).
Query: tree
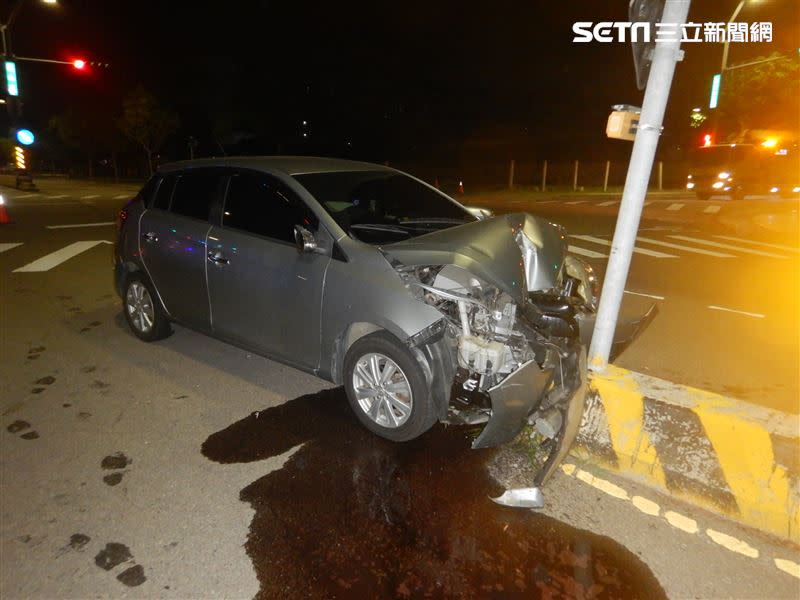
point(146, 122)
point(761, 96)
point(90, 130)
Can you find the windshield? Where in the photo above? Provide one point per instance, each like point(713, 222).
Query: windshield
point(381, 207)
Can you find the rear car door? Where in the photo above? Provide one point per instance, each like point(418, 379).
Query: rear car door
point(264, 294)
point(172, 242)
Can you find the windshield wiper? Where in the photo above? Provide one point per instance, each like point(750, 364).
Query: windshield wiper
point(380, 227)
point(435, 220)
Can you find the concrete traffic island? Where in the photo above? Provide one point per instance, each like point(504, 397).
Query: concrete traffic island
point(735, 459)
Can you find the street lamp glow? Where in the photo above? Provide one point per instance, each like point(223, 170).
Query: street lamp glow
point(79, 64)
point(52, 2)
point(769, 143)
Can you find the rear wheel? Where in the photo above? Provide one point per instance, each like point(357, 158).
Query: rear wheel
point(386, 388)
point(144, 314)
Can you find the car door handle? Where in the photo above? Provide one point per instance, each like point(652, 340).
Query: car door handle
point(150, 237)
point(217, 258)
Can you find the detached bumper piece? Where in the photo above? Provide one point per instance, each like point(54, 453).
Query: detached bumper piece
point(512, 401)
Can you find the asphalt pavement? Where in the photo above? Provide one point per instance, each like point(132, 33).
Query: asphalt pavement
point(190, 468)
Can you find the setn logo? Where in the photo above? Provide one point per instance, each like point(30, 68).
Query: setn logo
point(588, 31)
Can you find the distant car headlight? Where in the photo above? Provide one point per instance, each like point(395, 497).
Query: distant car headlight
point(723, 175)
point(774, 190)
point(796, 189)
point(690, 185)
point(717, 185)
point(688, 177)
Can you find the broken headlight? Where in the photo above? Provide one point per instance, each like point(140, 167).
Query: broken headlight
point(581, 281)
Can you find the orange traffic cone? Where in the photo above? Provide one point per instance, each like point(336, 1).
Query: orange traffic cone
point(461, 187)
point(4, 218)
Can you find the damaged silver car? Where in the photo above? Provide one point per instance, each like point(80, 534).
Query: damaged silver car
point(369, 278)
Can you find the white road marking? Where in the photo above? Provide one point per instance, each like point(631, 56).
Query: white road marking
point(788, 566)
point(543, 201)
point(684, 248)
point(8, 246)
point(645, 295)
point(608, 203)
point(585, 252)
point(576, 202)
point(25, 196)
point(60, 196)
point(103, 224)
point(754, 242)
point(122, 196)
point(702, 242)
point(681, 522)
point(738, 312)
point(731, 543)
point(596, 240)
point(59, 256)
point(675, 206)
point(90, 196)
point(714, 208)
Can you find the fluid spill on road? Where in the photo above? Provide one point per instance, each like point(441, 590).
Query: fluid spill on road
point(351, 515)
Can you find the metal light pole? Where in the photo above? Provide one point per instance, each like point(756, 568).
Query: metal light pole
point(667, 54)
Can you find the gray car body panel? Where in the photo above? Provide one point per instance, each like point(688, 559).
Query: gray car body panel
point(488, 249)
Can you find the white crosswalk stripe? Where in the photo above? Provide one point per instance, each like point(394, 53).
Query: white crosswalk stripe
point(684, 248)
point(714, 208)
point(90, 196)
point(675, 206)
point(576, 202)
point(54, 259)
point(608, 203)
point(122, 196)
point(644, 251)
point(18, 197)
point(585, 252)
point(6, 246)
point(79, 225)
point(686, 238)
point(757, 243)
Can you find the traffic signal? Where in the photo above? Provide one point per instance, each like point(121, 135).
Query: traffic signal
point(707, 139)
point(11, 78)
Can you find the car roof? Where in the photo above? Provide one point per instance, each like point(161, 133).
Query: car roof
point(288, 165)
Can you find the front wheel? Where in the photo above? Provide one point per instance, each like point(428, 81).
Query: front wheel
point(387, 389)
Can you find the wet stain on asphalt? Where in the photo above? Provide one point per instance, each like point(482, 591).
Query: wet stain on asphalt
point(90, 326)
point(34, 353)
point(351, 515)
point(77, 541)
point(88, 369)
point(115, 554)
point(115, 462)
point(17, 427)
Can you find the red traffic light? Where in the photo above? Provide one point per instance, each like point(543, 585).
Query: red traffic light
point(79, 64)
point(707, 139)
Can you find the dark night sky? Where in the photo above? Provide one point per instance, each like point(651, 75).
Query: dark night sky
point(394, 80)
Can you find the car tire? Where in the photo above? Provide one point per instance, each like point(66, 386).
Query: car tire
point(143, 311)
point(386, 409)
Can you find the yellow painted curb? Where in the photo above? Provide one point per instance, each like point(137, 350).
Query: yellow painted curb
point(722, 454)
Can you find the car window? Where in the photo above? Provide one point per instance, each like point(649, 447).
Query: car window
point(262, 205)
point(194, 193)
point(146, 193)
point(164, 193)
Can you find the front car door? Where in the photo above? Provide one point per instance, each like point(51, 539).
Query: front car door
point(264, 294)
point(172, 242)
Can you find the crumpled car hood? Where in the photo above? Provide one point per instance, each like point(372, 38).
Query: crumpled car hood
point(489, 250)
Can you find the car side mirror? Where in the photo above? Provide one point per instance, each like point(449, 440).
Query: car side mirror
point(304, 239)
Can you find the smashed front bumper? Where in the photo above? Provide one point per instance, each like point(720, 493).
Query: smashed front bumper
point(512, 401)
